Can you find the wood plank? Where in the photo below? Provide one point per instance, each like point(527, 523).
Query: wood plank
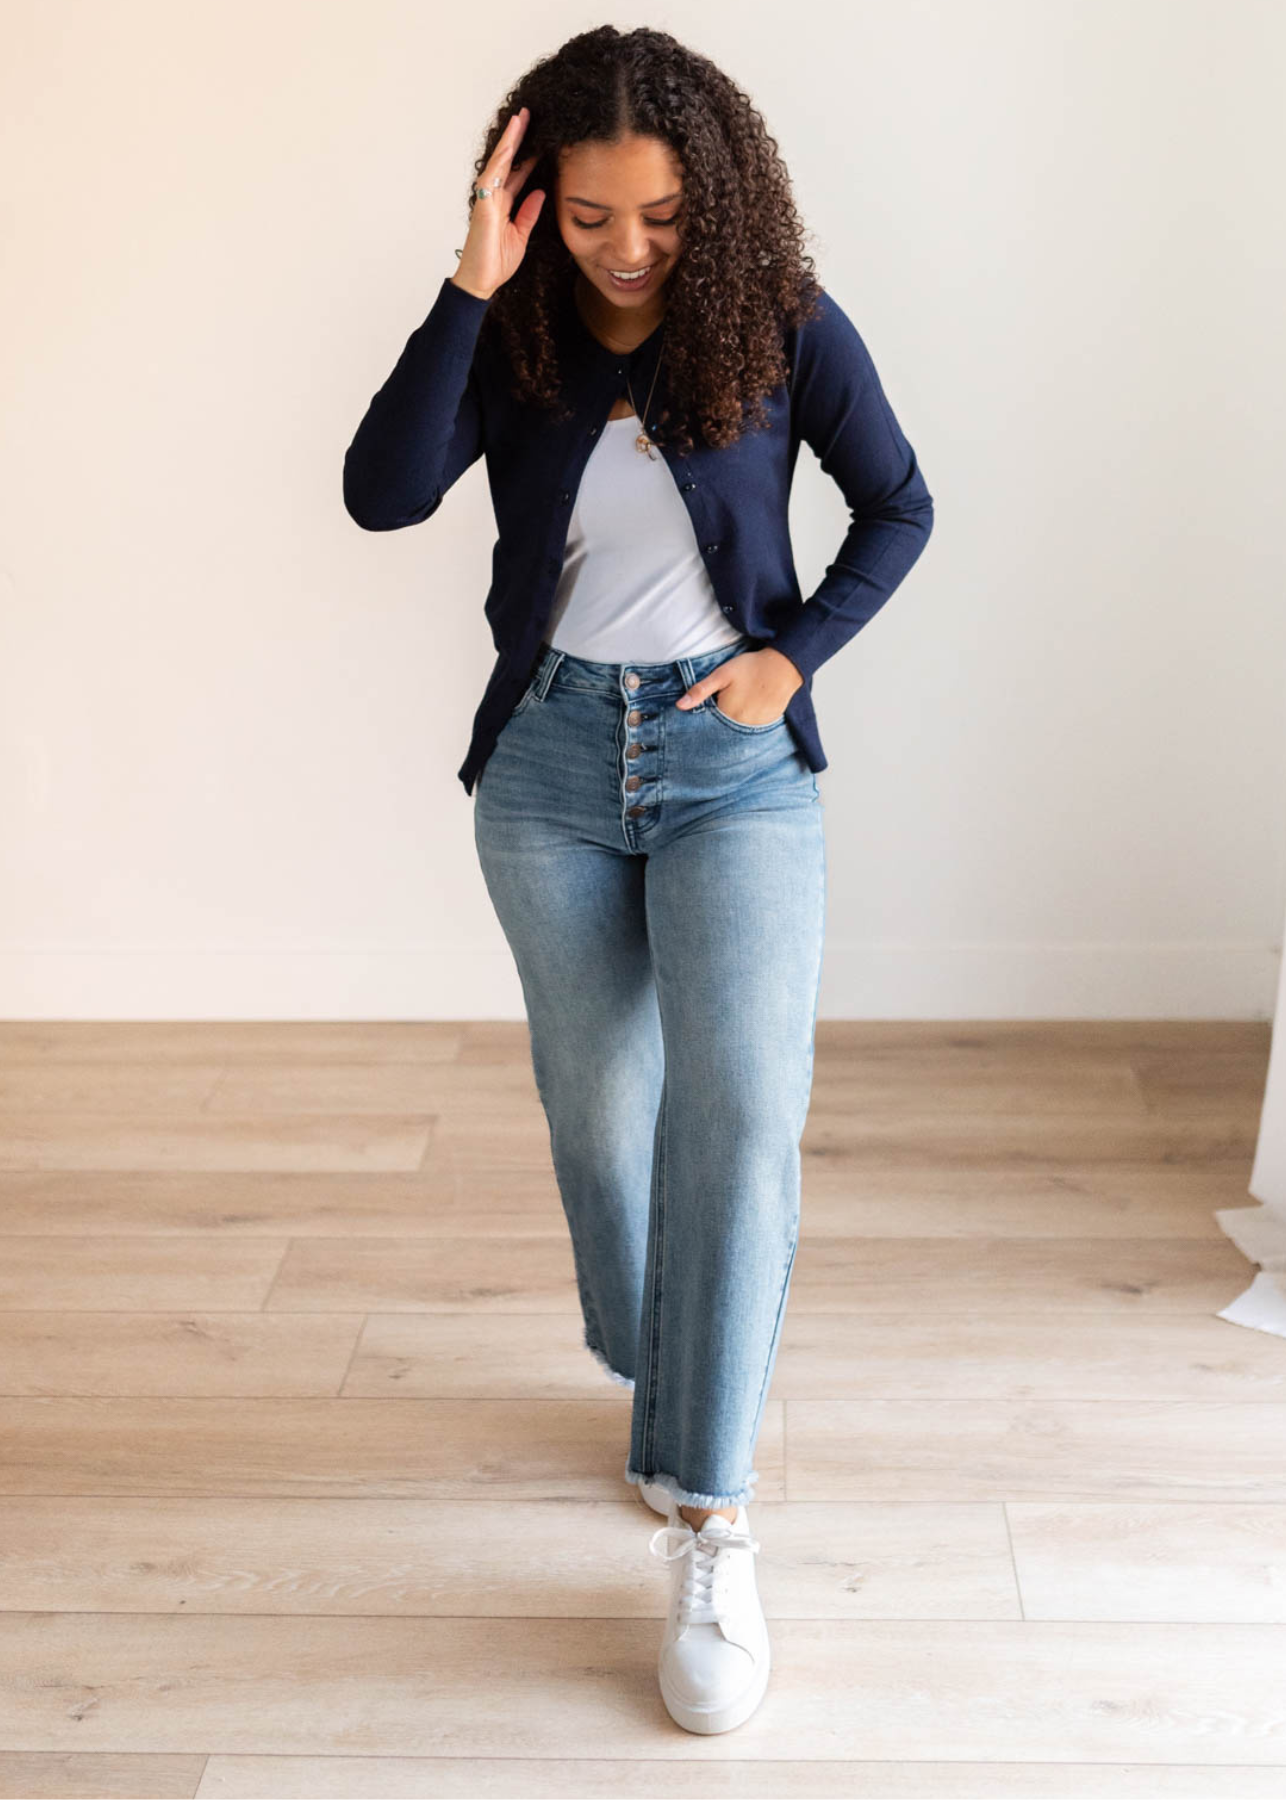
point(142, 1140)
point(410, 1558)
point(712, 1776)
point(915, 1690)
point(435, 1449)
point(1182, 1560)
point(1148, 1450)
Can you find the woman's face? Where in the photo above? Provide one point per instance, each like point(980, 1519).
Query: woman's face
point(618, 208)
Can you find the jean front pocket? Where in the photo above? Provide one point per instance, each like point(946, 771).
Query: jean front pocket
point(528, 695)
point(717, 712)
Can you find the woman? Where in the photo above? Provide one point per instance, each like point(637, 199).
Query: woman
point(635, 344)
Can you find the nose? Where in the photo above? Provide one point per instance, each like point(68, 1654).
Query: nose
point(634, 252)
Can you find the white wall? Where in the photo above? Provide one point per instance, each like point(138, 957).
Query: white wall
point(230, 720)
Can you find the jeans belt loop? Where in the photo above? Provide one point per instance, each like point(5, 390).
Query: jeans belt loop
point(547, 669)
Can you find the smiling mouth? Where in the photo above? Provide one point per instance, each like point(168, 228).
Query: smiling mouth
point(634, 278)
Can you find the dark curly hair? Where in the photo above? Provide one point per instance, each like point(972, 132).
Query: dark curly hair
point(743, 275)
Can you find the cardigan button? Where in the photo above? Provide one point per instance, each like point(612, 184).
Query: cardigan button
point(711, 548)
point(564, 496)
point(727, 609)
point(688, 486)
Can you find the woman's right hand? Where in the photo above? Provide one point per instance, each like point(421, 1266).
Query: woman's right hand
point(496, 244)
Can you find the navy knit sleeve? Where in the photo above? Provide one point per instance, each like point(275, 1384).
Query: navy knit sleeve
point(423, 428)
point(839, 409)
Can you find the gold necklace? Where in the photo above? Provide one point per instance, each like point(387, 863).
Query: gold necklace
point(642, 442)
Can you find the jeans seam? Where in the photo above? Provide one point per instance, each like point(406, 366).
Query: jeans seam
point(794, 1248)
point(712, 706)
point(658, 1282)
point(781, 1306)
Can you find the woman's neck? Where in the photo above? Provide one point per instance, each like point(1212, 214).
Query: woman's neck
point(621, 328)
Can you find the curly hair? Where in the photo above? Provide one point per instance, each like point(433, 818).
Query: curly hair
point(743, 275)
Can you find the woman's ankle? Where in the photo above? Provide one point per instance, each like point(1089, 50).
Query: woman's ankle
point(696, 1516)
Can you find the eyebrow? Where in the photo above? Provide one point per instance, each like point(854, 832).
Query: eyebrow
point(597, 205)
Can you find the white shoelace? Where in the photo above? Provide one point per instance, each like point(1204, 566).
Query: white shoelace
point(702, 1590)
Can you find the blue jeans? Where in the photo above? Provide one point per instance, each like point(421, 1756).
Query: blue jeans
point(660, 877)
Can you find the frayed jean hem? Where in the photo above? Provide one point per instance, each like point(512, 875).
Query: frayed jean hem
point(670, 1483)
point(625, 1381)
point(689, 1496)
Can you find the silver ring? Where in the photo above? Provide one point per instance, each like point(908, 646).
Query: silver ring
point(485, 193)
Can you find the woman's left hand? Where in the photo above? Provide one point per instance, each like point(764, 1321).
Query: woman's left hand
point(758, 685)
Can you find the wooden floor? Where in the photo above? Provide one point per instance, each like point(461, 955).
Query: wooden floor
point(308, 1486)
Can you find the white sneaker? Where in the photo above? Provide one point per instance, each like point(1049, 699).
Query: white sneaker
point(715, 1655)
point(658, 1498)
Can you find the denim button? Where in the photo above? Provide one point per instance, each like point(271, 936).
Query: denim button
point(632, 782)
point(632, 812)
point(631, 681)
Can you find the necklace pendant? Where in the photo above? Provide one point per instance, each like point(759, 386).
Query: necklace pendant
point(643, 444)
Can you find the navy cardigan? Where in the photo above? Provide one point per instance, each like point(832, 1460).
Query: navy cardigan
point(448, 401)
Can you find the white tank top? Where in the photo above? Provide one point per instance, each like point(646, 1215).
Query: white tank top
point(634, 587)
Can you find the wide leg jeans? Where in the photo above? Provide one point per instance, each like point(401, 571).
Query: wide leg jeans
point(660, 876)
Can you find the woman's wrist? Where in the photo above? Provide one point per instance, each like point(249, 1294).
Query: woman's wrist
point(796, 672)
point(465, 288)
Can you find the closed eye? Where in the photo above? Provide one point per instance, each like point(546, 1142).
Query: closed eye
point(582, 224)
